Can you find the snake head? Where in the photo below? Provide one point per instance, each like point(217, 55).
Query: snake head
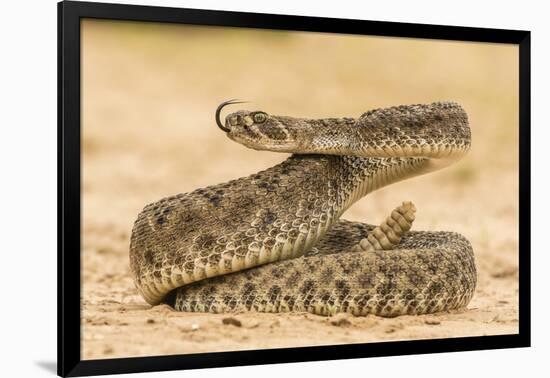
point(261, 131)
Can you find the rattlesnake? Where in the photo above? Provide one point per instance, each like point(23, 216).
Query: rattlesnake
point(274, 241)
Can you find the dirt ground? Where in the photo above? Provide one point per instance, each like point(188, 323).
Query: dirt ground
point(149, 93)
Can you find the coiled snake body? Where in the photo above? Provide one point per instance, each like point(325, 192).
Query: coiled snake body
point(274, 241)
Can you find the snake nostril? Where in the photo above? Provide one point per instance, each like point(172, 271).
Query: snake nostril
point(234, 121)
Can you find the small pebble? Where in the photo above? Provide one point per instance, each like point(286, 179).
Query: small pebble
point(108, 350)
point(150, 321)
point(253, 324)
point(432, 322)
point(232, 321)
point(194, 327)
point(275, 323)
point(340, 320)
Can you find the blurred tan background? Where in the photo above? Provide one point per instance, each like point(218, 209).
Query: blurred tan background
point(149, 92)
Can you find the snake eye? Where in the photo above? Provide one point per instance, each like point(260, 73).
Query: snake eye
point(260, 117)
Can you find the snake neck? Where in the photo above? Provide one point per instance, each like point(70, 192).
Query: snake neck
point(357, 176)
point(436, 131)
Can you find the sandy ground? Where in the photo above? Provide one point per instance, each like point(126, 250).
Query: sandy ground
point(148, 96)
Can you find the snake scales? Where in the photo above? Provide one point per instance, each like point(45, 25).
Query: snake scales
point(274, 241)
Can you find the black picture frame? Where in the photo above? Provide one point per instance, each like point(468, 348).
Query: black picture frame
point(69, 185)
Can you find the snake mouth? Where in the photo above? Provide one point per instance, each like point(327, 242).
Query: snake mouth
point(219, 110)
